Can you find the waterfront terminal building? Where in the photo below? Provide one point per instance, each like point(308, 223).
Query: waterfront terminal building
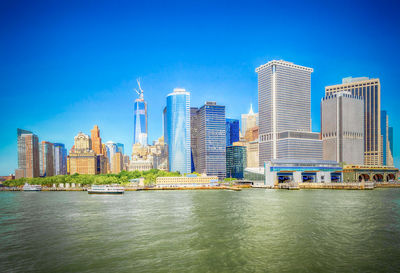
point(279, 171)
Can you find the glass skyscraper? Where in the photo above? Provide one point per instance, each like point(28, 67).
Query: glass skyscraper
point(60, 159)
point(209, 143)
point(28, 154)
point(140, 121)
point(178, 130)
point(232, 131)
point(111, 151)
point(120, 148)
point(387, 140)
point(235, 161)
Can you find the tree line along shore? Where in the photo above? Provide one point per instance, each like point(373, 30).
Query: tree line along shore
point(122, 178)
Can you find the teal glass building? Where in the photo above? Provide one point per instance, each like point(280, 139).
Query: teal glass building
point(236, 159)
point(177, 130)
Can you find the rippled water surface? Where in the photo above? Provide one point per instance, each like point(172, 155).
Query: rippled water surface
point(253, 230)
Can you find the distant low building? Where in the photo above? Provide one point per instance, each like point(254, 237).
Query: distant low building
point(188, 181)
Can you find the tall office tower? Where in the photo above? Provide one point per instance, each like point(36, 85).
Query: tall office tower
point(235, 161)
point(120, 148)
point(387, 152)
point(390, 137)
point(82, 159)
point(284, 104)
point(60, 159)
point(342, 128)
point(46, 155)
point(140, 119)
point(249, 120)
point(96, 140)
point(194, 130)
point(28, 154)
point(111, 150)
point(370, 90)
point(232, 131)
point(211, 140)
point(178, 130)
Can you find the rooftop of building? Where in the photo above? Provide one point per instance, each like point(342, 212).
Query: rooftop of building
point(303, 162)
point(284, 63)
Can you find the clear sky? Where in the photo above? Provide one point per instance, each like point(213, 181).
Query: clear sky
point(66, 66)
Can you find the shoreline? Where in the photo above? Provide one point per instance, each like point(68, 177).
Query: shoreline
point(305, 186)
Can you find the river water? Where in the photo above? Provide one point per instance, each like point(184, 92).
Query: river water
point(253, 230)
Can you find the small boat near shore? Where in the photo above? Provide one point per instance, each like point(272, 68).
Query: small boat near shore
point(105, 189)
point(28, 187)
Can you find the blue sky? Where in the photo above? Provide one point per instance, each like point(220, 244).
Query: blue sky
point(66, 66)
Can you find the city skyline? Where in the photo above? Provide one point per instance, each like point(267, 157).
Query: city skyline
point(55, 94)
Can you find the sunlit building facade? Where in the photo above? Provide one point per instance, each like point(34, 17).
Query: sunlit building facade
point(210, 140)
point(284, 92)
point(370, 90)
point(46, 154)
point(140, 121)
point(60, 159)
point(28, 154)
point(342, 128)
point(178, 130)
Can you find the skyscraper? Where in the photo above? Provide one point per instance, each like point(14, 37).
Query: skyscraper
point(249, 120)
point(284, 92)
point(120, 148)
point(82, 159)
point(342, 128)
point(28, 154)
point(232, 131)
point(96, 140)
point(387, 139)
point(140, 119)
point(235, 161)
point(370, 90)
point(210, 140)
point(60, 159)
point(46, 153)
point(178, 130)
point(111, 150)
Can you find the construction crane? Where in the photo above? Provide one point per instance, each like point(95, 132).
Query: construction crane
point(140, 92)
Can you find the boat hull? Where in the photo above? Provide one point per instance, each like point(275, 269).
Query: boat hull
point(110, 192)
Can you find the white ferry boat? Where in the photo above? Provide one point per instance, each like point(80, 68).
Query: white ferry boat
point(28, 187)
point(105, 189)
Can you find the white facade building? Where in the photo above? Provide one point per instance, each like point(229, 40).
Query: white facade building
point(284, 104)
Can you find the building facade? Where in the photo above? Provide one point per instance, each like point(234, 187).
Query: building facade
point(210, 140)
point(140, 120)
point(284, 92)
point(370, 90)
point(60, 159)
point(236, 161)
point(96, 140)
point(189, 181)
point(111, 151)
point(28, 154)
point(82, 159)
point(342, 128)
point(387, 139)
point(232, 131)
point(249, 120)
point(46, 155)
point(118, 163)
point(178, 130)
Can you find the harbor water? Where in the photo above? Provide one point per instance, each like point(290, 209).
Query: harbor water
point(254, 230)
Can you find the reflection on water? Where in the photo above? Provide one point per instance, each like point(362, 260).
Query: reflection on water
point(201, 231)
